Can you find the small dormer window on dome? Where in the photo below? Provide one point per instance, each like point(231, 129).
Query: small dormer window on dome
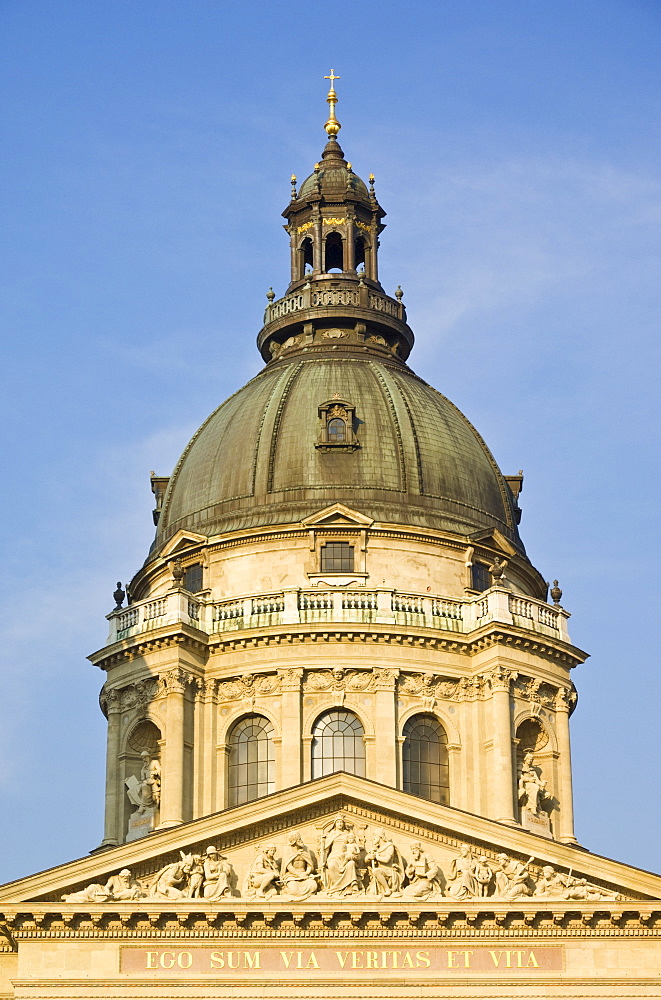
point(337, 426)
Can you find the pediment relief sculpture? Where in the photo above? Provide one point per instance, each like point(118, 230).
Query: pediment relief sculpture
point(352, 863)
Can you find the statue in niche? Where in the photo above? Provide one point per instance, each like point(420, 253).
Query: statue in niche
point(145, 792)
point(298, 870)
point(423, 876)
point(216, 872)
point(119, 887)
point(386, 870)
point(263, 878)
point(512, 878)
point(462, 883)
point(173, 881)
point(340, 853)
point(531, 787)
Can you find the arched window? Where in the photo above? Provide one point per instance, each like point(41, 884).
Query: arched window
point(251, 760)
point(334, 253)
point(425, 759)
point(337, 744)
point(359, 251)
point(307, 254)
point(336, 430)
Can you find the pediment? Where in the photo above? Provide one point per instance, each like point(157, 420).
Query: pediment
point(181, 541)
point(472, 859)
point(496, 538)
point(337, 515)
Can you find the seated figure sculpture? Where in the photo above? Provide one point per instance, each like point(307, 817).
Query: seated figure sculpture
point(423, 875)
point(340, 853)
point(263, 878)
point(386, 870)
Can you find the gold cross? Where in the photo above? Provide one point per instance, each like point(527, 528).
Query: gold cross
point(332, 78)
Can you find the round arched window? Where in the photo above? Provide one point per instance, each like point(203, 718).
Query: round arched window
point(337, 431)
point(337, 744)
point(425, 759)
point(251, 760)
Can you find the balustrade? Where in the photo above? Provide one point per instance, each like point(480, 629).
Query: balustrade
point(339, 604)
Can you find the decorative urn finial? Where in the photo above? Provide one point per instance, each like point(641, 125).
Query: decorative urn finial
point(556, 594)
point(118, 596)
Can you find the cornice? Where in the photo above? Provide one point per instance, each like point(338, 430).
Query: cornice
point(485, 637)
point(473, 919)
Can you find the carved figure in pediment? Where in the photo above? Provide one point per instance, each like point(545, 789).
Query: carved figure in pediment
point(531, 787)
point(263, 878)
point(340, 854)
point(118, 887)
point(173, 881)
point(462, 883)
point(298, 869)
point(423, 876)
point(512, 878)
point(217, 872)
point(386, 870)
point(483, 876)
point(196, 877)
point(550, 884)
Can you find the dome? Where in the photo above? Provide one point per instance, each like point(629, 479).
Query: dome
point(334, 178)
point(415, 460)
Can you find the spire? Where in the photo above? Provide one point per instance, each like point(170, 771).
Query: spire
point(332, 126)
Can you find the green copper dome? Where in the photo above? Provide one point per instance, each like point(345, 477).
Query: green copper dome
point(416, 459)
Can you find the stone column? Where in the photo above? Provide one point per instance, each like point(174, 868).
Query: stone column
point(385, 744)
point(350, 254)
point(209, 769)
point(563, 703)
point(502, 777)
point(290, 720)
point(113, 834)
point(172, 790)
point(318, 247)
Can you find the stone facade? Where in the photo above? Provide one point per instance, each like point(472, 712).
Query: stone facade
point(338, 699)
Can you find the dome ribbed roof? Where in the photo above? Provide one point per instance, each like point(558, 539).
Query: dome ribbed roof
point(419, 462)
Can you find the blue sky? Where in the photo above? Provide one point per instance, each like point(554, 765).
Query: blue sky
point(147, 149)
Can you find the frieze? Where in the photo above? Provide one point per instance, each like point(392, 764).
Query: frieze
point(349, 862)
point(223, 642)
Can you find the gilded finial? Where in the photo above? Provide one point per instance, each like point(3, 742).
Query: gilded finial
point(332, 126)
point(293, 187)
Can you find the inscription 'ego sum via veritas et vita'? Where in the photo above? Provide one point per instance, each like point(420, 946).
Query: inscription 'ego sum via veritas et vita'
point(342, 961)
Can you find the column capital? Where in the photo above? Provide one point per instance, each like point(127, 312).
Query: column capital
point(110, 700)
point(500, 678)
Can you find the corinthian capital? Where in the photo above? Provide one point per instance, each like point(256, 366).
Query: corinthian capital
point(176, 680)
point(565, 700)
point(110, 700)
point(500, 678)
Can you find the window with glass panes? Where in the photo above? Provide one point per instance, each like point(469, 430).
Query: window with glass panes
point(425, 759)
point(193, 578)
point(337, 557)
point(251, 760)
point(480, 576)
point(337, 744)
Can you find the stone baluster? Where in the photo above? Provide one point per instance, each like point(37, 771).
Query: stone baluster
point(565, 824)
point(502, 795)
